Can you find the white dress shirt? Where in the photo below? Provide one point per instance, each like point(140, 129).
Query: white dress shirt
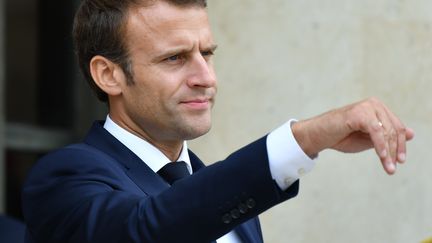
point(287, 161)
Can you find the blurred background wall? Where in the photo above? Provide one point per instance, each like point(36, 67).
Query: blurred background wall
point(277, 60)
point(280, 59)
point(44, 103)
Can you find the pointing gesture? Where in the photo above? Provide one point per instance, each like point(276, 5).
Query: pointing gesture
point(354, 128)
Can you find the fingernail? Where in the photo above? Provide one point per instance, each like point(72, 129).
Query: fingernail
point(402, 157)
point(391, 166)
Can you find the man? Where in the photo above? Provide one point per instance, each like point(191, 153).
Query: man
point(151, 61)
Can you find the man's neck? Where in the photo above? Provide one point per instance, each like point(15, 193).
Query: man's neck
point(171, 149)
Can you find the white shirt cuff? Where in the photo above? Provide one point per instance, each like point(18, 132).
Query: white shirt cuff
point(287, 160)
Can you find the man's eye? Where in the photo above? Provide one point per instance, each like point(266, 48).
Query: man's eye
point(173, 58)
point(207, 53)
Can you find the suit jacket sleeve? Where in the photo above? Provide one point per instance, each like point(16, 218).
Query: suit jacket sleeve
point(79, 195)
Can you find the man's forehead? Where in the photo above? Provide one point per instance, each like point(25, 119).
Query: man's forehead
point(163, 10)
point(164, 26)
point(161, 17)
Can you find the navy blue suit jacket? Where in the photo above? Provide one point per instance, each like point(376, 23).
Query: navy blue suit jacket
point(100, 191)
point(11, 230)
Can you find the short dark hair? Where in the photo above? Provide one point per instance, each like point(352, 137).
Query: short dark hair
point(99, 29)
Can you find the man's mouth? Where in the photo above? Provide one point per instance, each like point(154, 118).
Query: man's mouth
point(197, 104)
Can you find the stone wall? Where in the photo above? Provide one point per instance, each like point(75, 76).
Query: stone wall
point(281, 59)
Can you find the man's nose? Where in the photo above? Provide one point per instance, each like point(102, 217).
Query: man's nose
point(201, 73)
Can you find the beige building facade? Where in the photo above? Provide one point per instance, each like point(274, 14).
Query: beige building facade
point(281, 59)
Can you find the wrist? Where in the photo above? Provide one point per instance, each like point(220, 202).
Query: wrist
point(308, 143)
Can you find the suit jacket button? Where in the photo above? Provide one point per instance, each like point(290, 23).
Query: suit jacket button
point(250, 203)
point(226, 218)
point(235, 213)
point(242, 208)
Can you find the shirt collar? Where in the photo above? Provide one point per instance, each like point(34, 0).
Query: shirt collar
point(148, 153)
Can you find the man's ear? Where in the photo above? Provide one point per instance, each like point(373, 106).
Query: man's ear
point(107, 75)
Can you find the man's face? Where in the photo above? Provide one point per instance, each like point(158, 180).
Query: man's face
point(171, 50)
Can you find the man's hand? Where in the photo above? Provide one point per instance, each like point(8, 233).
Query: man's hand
point(354, 128)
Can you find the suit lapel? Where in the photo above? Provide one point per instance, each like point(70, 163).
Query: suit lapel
point(101, 139)
point(196, 163)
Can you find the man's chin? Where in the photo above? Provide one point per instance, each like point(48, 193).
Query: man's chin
point(197, 131)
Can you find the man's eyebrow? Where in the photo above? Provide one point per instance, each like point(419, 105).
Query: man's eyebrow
point(175, 51)
point(212, 48)
point(171, 52)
